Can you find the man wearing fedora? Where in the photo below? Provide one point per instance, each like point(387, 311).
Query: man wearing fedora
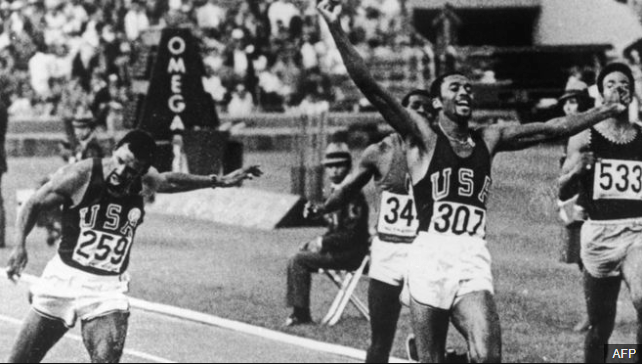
point(342, 247)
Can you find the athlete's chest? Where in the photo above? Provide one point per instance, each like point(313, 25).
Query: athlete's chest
point(117, 217)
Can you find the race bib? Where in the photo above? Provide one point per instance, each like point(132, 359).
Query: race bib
point(398, 215)
point(617, 180)
point(101, 250)
point(457, 219)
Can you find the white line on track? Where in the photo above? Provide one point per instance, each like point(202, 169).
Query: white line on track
point(206, 319)
point(135, 353)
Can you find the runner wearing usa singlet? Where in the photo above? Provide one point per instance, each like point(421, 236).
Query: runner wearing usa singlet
point(607, 161)
point(384, 162)
point(457, 223)
point(102, 201)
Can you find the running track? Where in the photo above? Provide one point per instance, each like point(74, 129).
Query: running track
point(157, 338)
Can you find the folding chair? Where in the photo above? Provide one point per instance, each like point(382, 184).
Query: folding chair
point(346, 282)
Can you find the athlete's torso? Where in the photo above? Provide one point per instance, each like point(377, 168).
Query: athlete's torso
point(451, 197)
point(98, 233)
point(613, 190)
point(397, 221)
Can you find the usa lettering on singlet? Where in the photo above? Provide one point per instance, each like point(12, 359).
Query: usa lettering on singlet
point(397, 221)
point(451, 198)
point(98, 234)
point(613, 190)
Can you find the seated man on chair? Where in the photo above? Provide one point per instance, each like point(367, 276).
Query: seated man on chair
point(342, 247)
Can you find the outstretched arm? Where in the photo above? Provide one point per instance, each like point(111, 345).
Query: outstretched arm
point(516, 137)
point(62, 187)
point(174, 182)
point(407, 124)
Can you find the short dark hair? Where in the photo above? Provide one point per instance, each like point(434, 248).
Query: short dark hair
point(419, 92)
point(615, 67)
point(435, 86)
point(141, 144)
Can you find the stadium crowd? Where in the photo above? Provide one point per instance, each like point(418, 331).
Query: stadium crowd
point(58, 56)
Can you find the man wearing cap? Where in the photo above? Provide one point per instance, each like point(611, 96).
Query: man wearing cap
point(607, 161)
point(343, 246)
point(87, 142)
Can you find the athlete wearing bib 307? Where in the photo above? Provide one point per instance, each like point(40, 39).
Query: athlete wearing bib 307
point(102, 201)
point(450, 168)
point(449, 257)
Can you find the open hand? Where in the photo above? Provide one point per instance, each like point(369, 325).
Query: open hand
point(235, 178)
point(17, 263)
point(330, 10)
point(311, 210)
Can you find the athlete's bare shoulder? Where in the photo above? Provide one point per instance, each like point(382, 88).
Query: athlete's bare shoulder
point(71, 180)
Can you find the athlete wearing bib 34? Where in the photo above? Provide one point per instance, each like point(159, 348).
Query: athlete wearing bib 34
point(102, 201)
point(607, 161)
point(449, 276)
point(396, 227)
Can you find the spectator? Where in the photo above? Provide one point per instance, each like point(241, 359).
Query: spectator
point(136, 20)
point(343, 246)
point(282, 11)
point(209, 17)
point(241, 103)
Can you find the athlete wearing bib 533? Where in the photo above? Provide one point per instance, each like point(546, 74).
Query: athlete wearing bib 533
point(396, 227)
point(607, 161)
point(449, 277)
point(102, 202)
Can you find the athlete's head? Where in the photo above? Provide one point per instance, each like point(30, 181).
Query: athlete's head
point(453, 95)
point(132, 157)
point(337, 161)
point(421, 102)
point(616, 77)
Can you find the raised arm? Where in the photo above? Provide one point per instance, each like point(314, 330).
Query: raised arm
point(409, 125)
point(515, 137)
point(63, 186)
point(578, 162)
point(174, 182)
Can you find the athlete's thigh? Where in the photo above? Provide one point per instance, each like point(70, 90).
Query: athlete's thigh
point(632, 271)
point(36, 337)
point(104, 336)
point(430, 326)
point(475, 316)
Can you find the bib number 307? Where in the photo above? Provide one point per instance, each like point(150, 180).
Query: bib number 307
point(618, 179)
point(101, 250)
point(458, 219)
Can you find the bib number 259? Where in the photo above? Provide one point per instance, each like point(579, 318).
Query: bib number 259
point(101, 250)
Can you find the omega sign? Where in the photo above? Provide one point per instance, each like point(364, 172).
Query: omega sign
point(176, 70)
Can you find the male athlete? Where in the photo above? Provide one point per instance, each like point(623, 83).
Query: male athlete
point(396, 226)
point(449, 270)
point(607, 161)
point(102, 201)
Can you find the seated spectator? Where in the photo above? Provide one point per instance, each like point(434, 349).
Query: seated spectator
point(136, 20)
point(241, 103)
point(282, 11)
point(343, 246)
point(209, 17)
point(22, 103)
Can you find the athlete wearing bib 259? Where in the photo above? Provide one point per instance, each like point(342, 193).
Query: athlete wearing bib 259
point(99, 231)
point(613, 200)
point(449, 257)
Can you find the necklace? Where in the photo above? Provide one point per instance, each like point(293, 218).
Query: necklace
point(618, 138)
point(468, 141)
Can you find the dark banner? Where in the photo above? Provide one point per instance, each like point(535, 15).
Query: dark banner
point(176, 99)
